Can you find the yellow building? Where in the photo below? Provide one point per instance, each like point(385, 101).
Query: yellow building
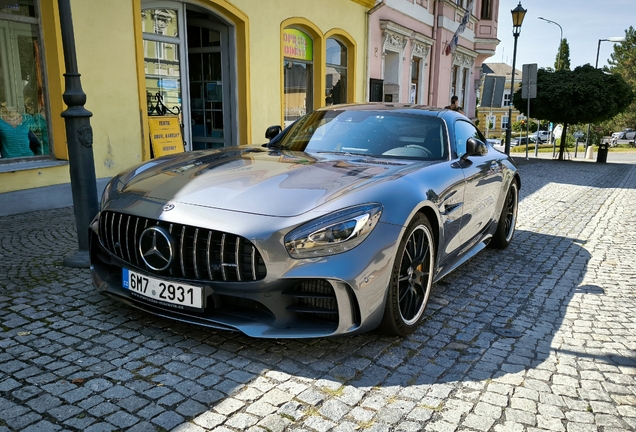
point(494, 99)
point(226, 69)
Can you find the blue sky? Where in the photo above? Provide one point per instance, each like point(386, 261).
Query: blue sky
point(584, 22)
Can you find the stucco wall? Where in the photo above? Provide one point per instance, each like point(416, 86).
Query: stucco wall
point(106, 44)
point(265, 18)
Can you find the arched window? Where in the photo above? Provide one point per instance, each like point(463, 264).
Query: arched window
point(336, 78)
point(298, 74)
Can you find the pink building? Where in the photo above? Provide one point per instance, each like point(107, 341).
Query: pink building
point(408, 41)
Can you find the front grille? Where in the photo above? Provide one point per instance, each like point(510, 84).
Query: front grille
point(314, 298)
point(197, 254)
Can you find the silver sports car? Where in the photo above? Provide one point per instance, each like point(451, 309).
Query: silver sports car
point(341, 224)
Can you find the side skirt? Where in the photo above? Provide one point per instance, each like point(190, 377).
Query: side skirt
point(445, 270)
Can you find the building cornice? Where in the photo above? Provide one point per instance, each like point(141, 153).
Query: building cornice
point(366, 3)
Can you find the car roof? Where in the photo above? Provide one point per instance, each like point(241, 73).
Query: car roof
point(400, 107)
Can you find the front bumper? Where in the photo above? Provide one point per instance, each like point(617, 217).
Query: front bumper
point(340, 294)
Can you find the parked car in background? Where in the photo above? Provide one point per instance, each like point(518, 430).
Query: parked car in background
point(627, 133)
point(340, 224)
point(541, 136)
point(522, 141)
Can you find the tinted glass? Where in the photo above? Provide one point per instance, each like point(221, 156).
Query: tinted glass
point(463, 131)
point(369, 133)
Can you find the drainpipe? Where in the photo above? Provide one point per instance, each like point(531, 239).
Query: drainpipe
point(370, 12)
point(79, 137)
point(432, 58)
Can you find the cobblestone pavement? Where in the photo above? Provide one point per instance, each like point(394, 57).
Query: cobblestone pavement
point(73, 359)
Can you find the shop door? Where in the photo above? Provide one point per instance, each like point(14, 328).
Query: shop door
point(209, 90)
point(187, 66)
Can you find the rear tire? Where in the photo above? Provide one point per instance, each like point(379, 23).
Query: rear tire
point(411, 279)
point(507, 219)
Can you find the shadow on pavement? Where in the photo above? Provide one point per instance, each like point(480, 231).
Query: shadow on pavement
point(51, 311)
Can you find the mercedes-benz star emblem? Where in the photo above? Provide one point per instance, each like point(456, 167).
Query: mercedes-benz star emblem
point(155, 247)
point(168, 207)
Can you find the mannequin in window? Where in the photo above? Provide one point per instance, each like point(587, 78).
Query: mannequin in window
point(38, 137)
point(14, 135)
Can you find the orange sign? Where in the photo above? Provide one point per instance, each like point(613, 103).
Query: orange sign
point(165, 135)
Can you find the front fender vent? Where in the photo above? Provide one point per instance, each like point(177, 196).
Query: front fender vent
point(199, 254)
point(314, 298)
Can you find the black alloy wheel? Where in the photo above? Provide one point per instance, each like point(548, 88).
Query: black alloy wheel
point(411, 279)
point(508, 219)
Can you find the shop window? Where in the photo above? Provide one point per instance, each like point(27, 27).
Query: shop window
point(454, 76)
point(486, 9)
point(415, 80)
point(298, 74)
point(464, 84)
point(23, 124)
point(336, 79)
point(162, 51)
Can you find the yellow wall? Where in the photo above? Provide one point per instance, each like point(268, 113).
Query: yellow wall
point(105, 46)
point(266, 19)
point(107, 39)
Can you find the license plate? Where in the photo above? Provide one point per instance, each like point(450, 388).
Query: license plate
point(162, 291)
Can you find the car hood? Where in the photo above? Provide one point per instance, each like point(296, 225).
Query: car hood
point(260, 180)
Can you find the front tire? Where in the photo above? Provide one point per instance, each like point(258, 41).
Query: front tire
point(411, 279)
point(507, 220)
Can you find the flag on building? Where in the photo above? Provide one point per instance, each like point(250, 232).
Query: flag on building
point(452, 45)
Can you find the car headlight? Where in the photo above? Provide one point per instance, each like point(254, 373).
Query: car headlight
point(334, 233)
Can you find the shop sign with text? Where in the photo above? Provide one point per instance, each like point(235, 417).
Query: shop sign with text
point(297, 45)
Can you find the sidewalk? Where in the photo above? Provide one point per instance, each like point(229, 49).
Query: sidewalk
point(73, 359)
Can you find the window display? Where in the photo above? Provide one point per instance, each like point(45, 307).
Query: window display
point(23, 125)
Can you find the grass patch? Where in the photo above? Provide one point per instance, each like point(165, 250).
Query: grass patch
point(335, 393)
point(312, 411)
point(288, 417)
point(437, 408)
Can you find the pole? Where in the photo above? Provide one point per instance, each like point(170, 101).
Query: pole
point(79, 136)
point(587, 137)
point(560, 41)
point(512, 90)
point(528, 129)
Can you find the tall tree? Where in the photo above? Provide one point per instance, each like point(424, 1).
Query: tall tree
point(562, 60)
point(623, 62)
point(584, 95)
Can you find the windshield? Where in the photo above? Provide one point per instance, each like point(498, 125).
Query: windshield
point(369, 133)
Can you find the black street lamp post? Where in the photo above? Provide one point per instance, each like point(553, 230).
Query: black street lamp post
point(518, 14)
point(615, 39)
point(560, 41)
point(79, 137)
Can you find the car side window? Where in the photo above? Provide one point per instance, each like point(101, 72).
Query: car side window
point(463, 131)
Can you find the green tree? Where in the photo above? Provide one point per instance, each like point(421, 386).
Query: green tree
point(623, 62)
point(564, 56)
point(584, 95)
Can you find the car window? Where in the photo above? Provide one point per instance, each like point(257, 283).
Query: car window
point(463, 131)
point(370, 133)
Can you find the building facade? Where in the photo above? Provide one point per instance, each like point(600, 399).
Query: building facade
point(225, 69)
point(222, 70)
point(412, 58)
point(495, 99)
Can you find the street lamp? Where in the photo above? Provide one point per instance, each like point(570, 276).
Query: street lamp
point(609, 39)
point(560, 41)
point(518, 14)
point(615, 39)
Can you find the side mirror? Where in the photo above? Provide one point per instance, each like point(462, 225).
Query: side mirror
point(474, 147)
point(272, 131)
